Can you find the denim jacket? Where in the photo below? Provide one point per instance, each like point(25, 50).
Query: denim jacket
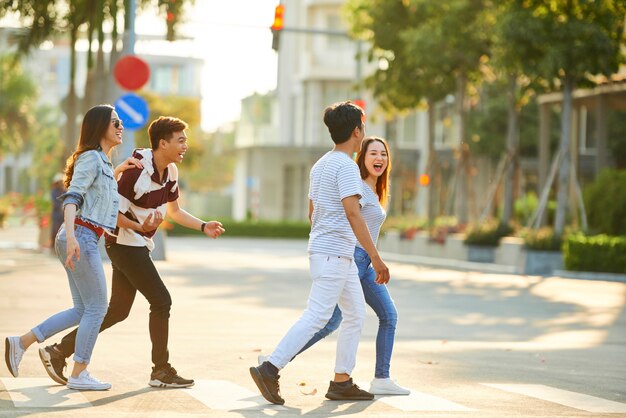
point(93, 190)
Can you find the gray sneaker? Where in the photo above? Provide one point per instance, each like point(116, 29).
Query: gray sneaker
point(13, 353)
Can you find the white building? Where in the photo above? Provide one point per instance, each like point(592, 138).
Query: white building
point(275, 154)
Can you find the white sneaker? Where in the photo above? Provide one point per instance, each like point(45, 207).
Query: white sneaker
point(85, 381)
point(262, 358)
point(387, 387)
point(13, 353)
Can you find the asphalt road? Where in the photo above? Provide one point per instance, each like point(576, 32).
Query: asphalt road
point(468, 344)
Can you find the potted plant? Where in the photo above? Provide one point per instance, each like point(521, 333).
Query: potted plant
point(482, 239)
point(543, 251)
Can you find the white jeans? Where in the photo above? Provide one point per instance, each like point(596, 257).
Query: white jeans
point(335, 282)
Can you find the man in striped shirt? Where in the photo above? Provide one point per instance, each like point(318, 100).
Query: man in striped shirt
point(147, 192)
point(336, 224)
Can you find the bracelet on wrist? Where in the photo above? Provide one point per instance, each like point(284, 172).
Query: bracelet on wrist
point(202, 226)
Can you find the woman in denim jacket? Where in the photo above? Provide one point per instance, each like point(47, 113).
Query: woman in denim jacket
point(90, 207)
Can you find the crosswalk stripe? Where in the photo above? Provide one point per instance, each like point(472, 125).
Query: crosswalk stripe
point(418, 401)
point(227, 396)
point(39, 393)
point(563, 397)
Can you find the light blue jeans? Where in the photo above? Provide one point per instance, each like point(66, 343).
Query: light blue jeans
point(377, 296)
point(89, 294)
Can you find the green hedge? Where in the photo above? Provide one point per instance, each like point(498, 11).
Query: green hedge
point(605, 202)
point(264, 229)
point(601, 253)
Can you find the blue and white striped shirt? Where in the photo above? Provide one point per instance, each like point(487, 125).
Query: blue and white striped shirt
point(334, 177)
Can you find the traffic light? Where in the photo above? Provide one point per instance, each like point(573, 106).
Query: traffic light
point(279, 13)
point(277, 26)
point(424, 180)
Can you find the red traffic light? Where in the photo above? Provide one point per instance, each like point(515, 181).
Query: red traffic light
point(279, 13)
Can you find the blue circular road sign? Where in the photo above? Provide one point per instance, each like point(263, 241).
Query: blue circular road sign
point(132, 110)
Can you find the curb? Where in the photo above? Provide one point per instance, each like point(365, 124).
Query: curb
point(591, 275)
point(450, 263)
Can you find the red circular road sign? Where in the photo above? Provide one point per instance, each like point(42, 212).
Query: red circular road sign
point(131, 72)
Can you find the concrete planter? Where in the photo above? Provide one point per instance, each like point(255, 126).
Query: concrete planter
point(481, 254)
point(542, 262)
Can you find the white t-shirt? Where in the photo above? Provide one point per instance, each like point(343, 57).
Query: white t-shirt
point(373, 214)
point(334, 177)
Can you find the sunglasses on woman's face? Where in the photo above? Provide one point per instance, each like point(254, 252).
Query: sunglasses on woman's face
point(116, 122)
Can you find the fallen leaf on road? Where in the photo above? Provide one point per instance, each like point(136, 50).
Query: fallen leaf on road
point(302, 384)
point(257, 350)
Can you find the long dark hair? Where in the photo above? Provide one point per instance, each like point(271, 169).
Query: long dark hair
point(382, 183)
point(95, 124)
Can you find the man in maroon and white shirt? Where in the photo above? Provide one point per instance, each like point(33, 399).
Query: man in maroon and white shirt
point(147, 192)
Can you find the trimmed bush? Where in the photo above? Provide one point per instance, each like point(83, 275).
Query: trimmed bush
point(542, 239)
point(486, 234)
point(265, 229)
point(601, 253)
point(605, 201)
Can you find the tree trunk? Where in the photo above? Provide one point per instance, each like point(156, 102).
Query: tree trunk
point(432, 164)
point(461, 181)
point(72, 100)
point(566, 126)
point(512, 136)
point(89, 96)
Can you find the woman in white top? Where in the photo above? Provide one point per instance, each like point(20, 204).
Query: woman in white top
point(374, 164)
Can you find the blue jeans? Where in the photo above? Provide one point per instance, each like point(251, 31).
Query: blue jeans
point(89, 295)
point(378, 298)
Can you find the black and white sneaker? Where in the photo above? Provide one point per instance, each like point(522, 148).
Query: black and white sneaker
point(54, 362)
point(167, 377)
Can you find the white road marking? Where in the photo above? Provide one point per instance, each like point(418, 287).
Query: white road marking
point(563, 397)
point(227, 396)
point(418, 401)
point(41, 393)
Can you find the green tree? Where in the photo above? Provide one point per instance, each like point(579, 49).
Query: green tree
point(510, 51)
point(576, 39)
point(428, 49)
point(47, 146)
point(46, 19)
point(17, 102)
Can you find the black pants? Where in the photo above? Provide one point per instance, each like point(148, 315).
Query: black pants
point(133, 270)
